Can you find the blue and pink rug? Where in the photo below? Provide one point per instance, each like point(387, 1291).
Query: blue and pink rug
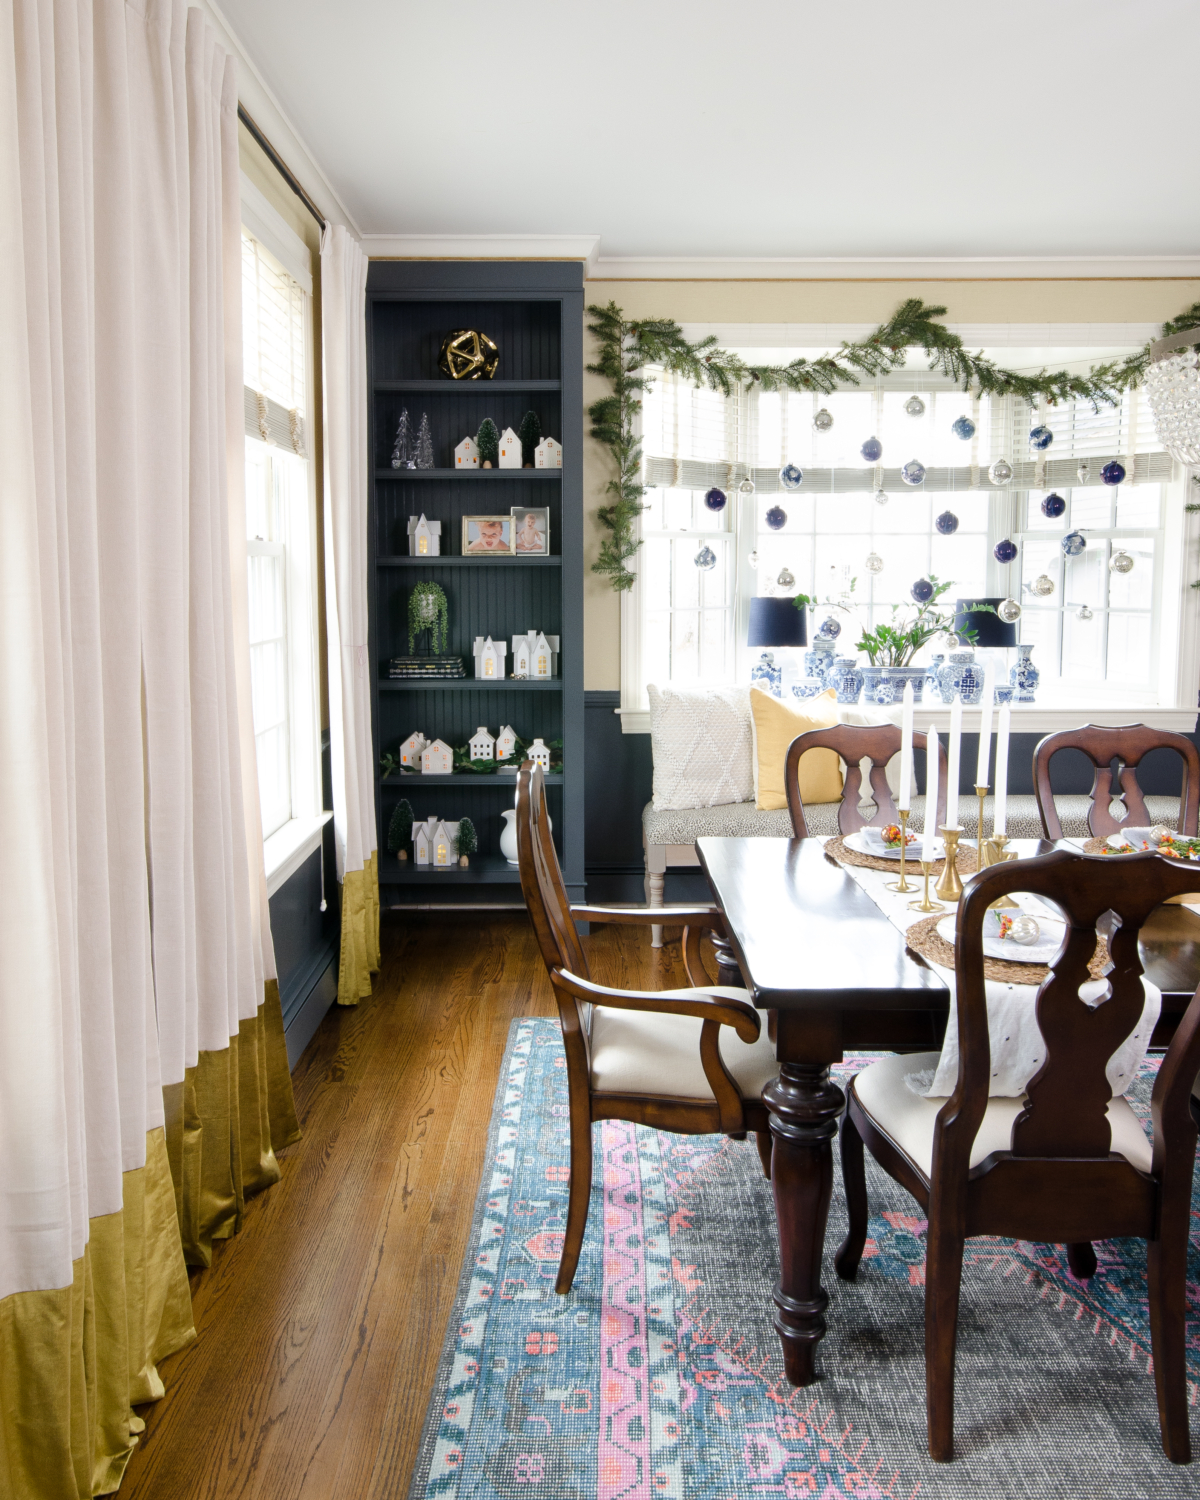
point(660, 1374)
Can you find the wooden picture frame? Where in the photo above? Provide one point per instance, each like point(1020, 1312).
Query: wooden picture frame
point(530, 530)
point(480, 537)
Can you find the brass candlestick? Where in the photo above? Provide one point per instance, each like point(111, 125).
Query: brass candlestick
point(997, 856)
point(949, 887)
point(925, 904)
point(981, 792)
point(902, 885)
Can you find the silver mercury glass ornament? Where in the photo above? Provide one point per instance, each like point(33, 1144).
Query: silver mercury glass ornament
point(747, 485)
point(786, 579)
point(753, 559)
point(823, 420)
point(1084, 471)
point(1083, 613)
point(1042, 586)
point(873, 563)
point(914, 406)
point(880, 496)
point(1120, 562)
point(706, 558)
point(1009, 611)
point(1001, 472)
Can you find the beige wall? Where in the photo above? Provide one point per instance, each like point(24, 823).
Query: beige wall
point(1111, 301)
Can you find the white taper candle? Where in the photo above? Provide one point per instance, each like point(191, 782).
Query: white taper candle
point(906, 750)
point(985, 731)
point(931, 793)
point(1005, 722)
point(952, 770)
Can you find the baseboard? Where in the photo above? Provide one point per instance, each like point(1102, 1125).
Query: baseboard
point(307, 1000)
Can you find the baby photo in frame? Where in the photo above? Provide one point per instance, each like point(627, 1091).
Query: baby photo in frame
point(530, 531)
point(487, 534)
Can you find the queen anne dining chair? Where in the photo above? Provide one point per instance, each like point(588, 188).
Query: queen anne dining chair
point(855, 743)
point(1067, 1163)
point(692, 1061)
point(1126, 746)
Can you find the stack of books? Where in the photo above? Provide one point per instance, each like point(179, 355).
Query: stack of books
point(428, 667)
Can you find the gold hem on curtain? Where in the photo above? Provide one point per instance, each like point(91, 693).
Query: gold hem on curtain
point(360, 932)
point(74, 1361)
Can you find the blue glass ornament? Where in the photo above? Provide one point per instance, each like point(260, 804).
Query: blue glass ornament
point(872, 450)
point(1005, 551)
point(830, 629)
point(1053, 506)
point(706, 558)
point(913, 472)
point(1040, 437)
point(922, 591)
point(791, 477)
point(1073, 543)
point(1112, 473)
point(947, 523)
point(963, 427)
point(776, 518)
point(715, 499)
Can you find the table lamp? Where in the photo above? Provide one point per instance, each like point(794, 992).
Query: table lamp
point(775, 623)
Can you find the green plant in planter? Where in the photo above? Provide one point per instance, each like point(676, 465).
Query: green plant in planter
point(895, 644)
point(487, 440)
point(400, 828)
point(428, 610)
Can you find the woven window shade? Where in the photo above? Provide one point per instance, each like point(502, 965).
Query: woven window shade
point(274, 312)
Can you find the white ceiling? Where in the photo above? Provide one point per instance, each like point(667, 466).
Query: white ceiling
point(764, 128)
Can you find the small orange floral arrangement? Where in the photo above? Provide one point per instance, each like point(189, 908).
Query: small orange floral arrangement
point(1005, 923)
point(892, 836)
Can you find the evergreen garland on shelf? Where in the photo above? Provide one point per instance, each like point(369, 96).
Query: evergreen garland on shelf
point(626, 347)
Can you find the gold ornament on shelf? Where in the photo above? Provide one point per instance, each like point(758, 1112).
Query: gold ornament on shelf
point(468, 355)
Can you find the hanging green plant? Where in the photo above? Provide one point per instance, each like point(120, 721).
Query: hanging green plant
point(428, 610)
point(626, 347)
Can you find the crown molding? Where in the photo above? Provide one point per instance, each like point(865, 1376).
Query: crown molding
point(871, 268)
point(482, 247)
point(269, 115)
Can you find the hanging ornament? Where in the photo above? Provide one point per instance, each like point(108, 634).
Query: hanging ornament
point(1084, 471)
point(706, 558)
point(947, 523)
point(1005, 551)
point(1120, 562)
point(964, 428)
point(715, 498)
point(1001, 472)
point(791, 477)
point(830, 629)
point(1042, 586)
point(1112, 473)
point(913, 472)
point(873, 563)
point(747, 485)
point(881, 496)
point(1083, 613)
point(776, 518)
point(1073, 543)
point(753, 559)
point(823, 420)
point(922, 591)
point(872, 450)
point(1053, 506)
point(914, 406)
point(1040, 437)
point(786, 579)
point(1009, 611)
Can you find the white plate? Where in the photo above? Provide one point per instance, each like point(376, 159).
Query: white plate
point(1042, 952)
point(862, 843)
point(1132, 837)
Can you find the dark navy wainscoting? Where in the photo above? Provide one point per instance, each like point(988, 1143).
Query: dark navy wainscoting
point(306, 946)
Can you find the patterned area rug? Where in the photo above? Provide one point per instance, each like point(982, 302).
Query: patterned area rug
point(661, 1375)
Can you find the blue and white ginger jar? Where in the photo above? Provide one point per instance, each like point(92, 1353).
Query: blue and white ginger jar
point(1024, 676)
point(818, 659)
point(970, 676)
point(846, 680)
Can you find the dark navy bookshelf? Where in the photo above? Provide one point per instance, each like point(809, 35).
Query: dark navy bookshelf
point(533, 310)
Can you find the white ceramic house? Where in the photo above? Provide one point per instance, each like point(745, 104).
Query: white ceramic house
point(489, 657)
point(421, 837)
point(435, 843)
point(521, 653)
point(437, 759)
point(539, 754)
point(424, 537)
point(540, 653)
point(510, 449)
point(482, 745)
point(410, 750)
point(547, 454)
point(506, 743)
point(466, 455)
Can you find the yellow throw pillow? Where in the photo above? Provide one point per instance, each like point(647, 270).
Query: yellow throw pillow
point(776, 725)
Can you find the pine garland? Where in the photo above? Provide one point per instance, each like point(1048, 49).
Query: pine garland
point(627, 347)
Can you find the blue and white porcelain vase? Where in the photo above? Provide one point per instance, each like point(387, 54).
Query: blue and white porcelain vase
point(948, 675)
point(931, 673)
point(764, 674)
point(1024, 676)
point(818, 659)
point(970, 676)
point(846, 680)
point(885, 691)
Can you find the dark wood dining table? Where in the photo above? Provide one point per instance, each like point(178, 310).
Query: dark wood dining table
point(815, 951)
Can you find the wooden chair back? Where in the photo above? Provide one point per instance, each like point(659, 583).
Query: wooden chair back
point(542, 881)
point(856, 743)
point(1126, 746)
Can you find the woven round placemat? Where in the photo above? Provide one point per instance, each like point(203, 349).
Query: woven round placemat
point(836, 849)
point(923, 938)
point(1095, 846)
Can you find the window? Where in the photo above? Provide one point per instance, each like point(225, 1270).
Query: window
point(280, 528)
point(1100, 637)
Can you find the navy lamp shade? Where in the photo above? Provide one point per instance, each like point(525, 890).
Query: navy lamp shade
point(777, 622)
point(990, 629)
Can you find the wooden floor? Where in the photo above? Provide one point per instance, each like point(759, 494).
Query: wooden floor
point(320, 1326)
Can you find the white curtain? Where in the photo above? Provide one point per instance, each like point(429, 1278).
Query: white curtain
point(347, 476)
point(133, 926)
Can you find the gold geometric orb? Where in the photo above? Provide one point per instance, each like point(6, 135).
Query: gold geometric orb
point(468, 355)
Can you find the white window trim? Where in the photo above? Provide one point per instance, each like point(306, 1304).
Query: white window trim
point(288, 848)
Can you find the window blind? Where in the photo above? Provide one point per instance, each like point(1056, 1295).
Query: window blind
point(274, 310)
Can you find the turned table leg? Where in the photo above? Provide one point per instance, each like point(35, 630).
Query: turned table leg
point(805, 1107)
point(728, 970)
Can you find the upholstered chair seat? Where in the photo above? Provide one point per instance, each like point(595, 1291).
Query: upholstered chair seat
point(649, 1052)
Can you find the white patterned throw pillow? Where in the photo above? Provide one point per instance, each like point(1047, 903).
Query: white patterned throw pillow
point(700, 738)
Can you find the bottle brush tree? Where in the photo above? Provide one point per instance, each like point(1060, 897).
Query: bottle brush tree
point(468, 840)
point(487, 440)
point(400, 828)
point(530, 434)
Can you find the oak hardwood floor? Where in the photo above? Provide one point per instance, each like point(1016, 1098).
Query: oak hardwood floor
point(320, 1325)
